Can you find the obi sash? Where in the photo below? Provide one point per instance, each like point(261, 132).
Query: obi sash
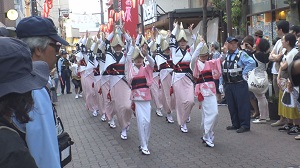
point(205, 76)
point(117, 69)
point(139, 82)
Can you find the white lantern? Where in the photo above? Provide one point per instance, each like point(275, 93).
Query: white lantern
point(12, 14)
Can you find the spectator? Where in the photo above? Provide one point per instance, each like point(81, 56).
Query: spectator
point(215, 54)
point(261, 57)
point(16, 100)
point(258, 34)
point(292, 114)
point(248, 46)
point(282, 28)
point(41, 37)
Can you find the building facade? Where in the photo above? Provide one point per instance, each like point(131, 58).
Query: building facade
point(264, 14)
point(6, 5)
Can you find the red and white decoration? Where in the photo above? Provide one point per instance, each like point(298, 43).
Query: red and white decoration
point(48, 4)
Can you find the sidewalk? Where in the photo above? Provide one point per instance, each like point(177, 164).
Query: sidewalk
point(97, 145)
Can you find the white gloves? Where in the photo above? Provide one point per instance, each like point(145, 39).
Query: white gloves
point(59, 73)
point(245, 77)
point(221, 89)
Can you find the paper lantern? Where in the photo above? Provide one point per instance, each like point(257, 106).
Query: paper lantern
point(110, 21)
point(116, 16)
point(141, 2)
point(111, 13)
point(50, 4)
point(133, 3)
point(122, 15)
point(46, 9)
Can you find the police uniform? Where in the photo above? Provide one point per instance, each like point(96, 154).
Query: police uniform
point(64, 73)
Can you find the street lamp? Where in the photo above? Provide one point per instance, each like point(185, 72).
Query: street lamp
point(12, 14)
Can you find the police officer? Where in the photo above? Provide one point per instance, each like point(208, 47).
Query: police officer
point(235, 68)
point(64, 72)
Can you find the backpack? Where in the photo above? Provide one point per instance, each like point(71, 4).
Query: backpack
point(14, 152)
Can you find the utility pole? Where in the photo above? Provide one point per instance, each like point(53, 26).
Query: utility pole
point(228, 13)
point(142, 20)
point(102, 12)
point(34, 11)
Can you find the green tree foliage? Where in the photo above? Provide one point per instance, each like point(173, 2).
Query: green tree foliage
point(235, 10)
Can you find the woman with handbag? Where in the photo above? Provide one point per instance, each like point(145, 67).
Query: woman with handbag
point(261, 56)
point(292, 114)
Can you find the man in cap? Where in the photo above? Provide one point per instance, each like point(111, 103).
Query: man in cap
point(41, 37)
point(236, 66)
point(63, 66)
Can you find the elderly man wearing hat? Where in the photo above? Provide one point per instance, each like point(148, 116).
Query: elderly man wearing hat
point(205, 72)
point(236, 66)
point(41, 37)
point(64, 72)
point(16, 100)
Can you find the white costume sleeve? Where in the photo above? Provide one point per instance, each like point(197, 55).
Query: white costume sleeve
point(196, 55)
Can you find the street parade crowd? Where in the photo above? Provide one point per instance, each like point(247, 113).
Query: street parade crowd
point(120, 75)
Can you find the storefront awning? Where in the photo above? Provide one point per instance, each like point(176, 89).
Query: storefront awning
point(186, 16)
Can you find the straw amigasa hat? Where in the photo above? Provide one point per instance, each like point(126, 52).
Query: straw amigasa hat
point(164, 44)
point(153, 47)
point(181, 34)
point(142, 41)
point(137, 52)
point(204, 50)
point(163, 33)
point(117, 40)
point(197, 41)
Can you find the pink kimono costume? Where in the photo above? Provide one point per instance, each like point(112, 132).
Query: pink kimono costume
point(140, 80)
point(119, 93)
point(182, 82)
point(87, 81)
point(205, 74)
point(103, 100)
point(165, 66)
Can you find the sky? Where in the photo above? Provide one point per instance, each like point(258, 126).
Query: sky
point(91, 8)
point(88, 6)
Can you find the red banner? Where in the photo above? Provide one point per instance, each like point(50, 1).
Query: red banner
point(131, 17)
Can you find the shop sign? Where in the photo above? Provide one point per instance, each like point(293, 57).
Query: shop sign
point(150, 13)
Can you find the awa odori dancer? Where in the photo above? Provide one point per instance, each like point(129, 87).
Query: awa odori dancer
point(119, 93)
point(140, 78)
point(182, 82)
point(86, 58)
point(155, 88)
point(205, 72)
point(165, 65)
point(99, 51)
